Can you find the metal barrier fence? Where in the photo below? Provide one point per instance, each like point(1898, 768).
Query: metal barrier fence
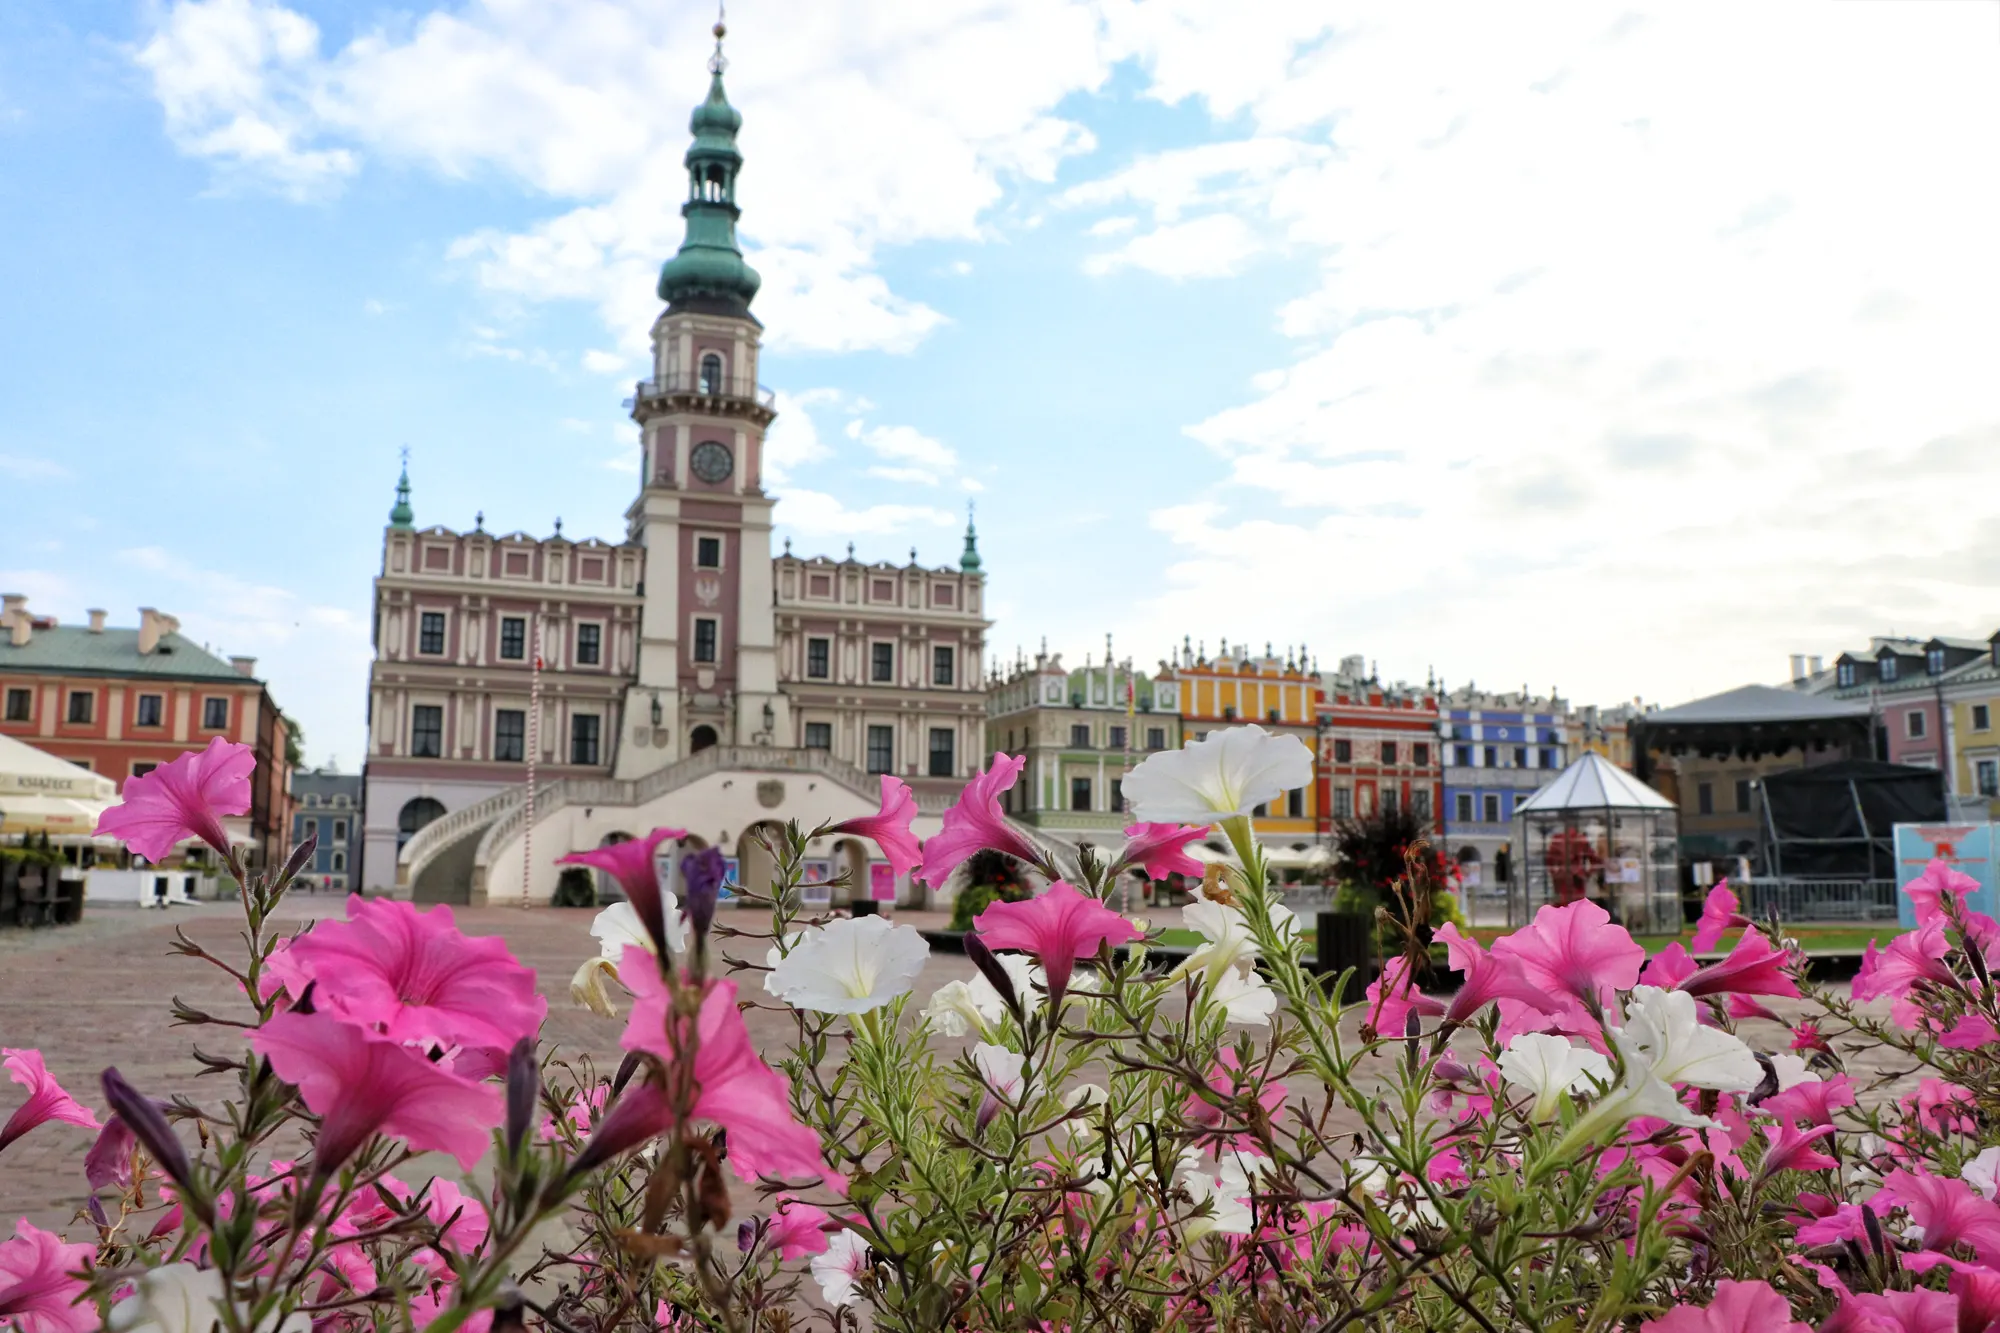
point(1818, 899)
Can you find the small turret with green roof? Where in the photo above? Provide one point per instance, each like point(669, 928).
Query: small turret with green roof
point(709, 274)
point(969, 562)
point(402, 516)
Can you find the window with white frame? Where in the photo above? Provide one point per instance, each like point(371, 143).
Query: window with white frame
point(704, 639)
point(1913, 724)
point(589, 644)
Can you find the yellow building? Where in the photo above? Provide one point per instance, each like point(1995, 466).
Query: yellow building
point(1280, 694)
point(1607, 732)
point(1974, 731)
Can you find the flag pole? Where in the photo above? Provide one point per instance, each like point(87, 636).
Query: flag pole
point(534, 753)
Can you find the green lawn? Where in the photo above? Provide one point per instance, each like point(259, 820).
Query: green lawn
point(1837, 939)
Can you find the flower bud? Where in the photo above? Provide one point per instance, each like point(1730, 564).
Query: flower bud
point(639, 1115)
point(524, 1090)
point(702, 874)
point(989, 967)
point(150, 1127)
point(298, 860)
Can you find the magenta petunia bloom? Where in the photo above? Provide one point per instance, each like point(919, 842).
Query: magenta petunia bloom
point(1227, 1079)
point(1744, 1006)
point(414, 977)
point(46, 1099)
point(1668, 968)
point(889, 828)
point(1978, 1292)
point(1393, 997)
point(738, 1091)
point(37, 1293)
point(1720, 912)
point(977, 823)
point(1813, 1103)
point(1575, 952)
point(1754, 967)
point(1057, 927)
point(1160, 849)
point(1926, 891)
point(798, 1229)
point(183, 798)
point(1792, 1149)
point(360, 1085)
point(1488, 978)
point(1738, 1307)
point(1947, 1209)
point(1918, 1311)
point(1910, 959)
point(1969, 1033)
point(635, 865)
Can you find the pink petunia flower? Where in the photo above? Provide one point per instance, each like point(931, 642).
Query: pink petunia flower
point(1487, 978)
point(1228, 1079)
point(414, 977)
point(1160, 849)
point(889, 828)
point(1948, 1210)
point(46, 1099)
point(1926, 891)
point(1754, 967)
point(634, 863)
point(1668, 968)
point(183, 798)
point(37, 1293)
point(1720, 912)
point(1978, 1292)
point(1575, 952)
point(1942, 1107)
point(360, 1085)
point(1393, 997)
point(1792, 1149)
point(737, 1090)
point(1811, 1102)
point(1918, 1311)
point(1744, 1006)
point(1807, 1037)
point(1969, 1033)
point(1738, 1307)
point(1910, 960)
point(1057, 927)
point(798, 1228)
point(976, 823)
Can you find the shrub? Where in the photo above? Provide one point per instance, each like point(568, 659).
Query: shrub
point(575, 887)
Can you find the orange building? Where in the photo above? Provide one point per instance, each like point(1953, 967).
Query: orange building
point(1280, 694)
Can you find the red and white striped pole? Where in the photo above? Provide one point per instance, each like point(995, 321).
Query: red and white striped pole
point(534, 753)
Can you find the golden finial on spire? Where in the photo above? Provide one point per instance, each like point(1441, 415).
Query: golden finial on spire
point(718, 62)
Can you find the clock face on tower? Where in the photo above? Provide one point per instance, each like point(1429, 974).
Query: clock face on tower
point(711, 461)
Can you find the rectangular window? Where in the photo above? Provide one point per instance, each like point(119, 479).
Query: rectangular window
point(1079, 793)
point(881, 749)
point(427, 731)
point(583, 738)
point(1982, 719)
point(882, 663)
point(1492, 756)
point(1492, 808)
point(215, 714)
point(513, 638)
point(704, 639)
point(140, 769)
point(1156, 738)
point(1117, 793)
point(1116, 740)
point(1704, 798)
point(942, 672)
point(1913, 724)
point(1389, 797)
point(152, 707)
point(1463, 758)
point(1388, 752)
point(1548, 759)
point(1520, 756)
point(312, 829)
point(430, 632)
point(589, 645)
point(819, 735)
point(1420, 804)
point(18, 704)
point(340, 860)
point(1343, 751)
point(510, 735)
point(1742, 796)
point(82, 705)
point(1343, 802)
point(1079, 736)
point(340, 830)
point(1295, 803)
point(1988, 775)
point(1420, 754)
point(819, 659)
point(1887, 670)
point(1464, 804)
point(708, 552)
point(943, 752)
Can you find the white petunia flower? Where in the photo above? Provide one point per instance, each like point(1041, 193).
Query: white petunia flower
point(839, 1269)
point(589, 987)
point(1551, 1068)
point(1677, 1048)
point(618, 925)
point(960, 1007)
point(1983, 1173)
point(1791, 1071)
point(1227, 1193)
point(849, 966)
point(1001, 1070)
point(180, 1298)
point(1223, 775)
point(1243, 997)
point(952, 1012)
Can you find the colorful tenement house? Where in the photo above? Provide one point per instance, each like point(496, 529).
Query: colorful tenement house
point(1933, 702)
point(1078, 731)
point(1500, 749)
point(687, 678)
point(327, 806)
point(1608, 731)
point(1280, 694)
point(121, 702)
point(1378, 748)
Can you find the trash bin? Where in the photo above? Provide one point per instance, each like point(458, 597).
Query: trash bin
point(866, 907)
point(1344, 942)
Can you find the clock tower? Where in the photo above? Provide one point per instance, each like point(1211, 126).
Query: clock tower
point(707, 662)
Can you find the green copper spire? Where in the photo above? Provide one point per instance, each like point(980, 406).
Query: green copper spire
point(709, 273)
point(402, 516)
point(969, 562)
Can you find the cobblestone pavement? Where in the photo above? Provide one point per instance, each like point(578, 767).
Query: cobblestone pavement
point(97, 994)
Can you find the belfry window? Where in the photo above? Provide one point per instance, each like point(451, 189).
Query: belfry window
point(711, 373)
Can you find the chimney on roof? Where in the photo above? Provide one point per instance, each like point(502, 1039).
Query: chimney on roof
point(96, 621)
point(1813, 663)
point(246, 666)
point(1798, 668)
point(14, 615)
point(153, 626)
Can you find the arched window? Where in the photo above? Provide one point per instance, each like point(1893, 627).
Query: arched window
point(701, 738)
point(415, 815)
point(711, 373)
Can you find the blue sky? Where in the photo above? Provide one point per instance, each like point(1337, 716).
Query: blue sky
point(1627, 350)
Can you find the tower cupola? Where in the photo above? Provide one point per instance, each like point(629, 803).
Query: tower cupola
point(709, 273)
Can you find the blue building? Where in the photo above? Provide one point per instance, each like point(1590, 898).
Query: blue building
point(327, 805)
point(1499, 749)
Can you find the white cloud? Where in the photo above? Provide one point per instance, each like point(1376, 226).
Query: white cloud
point(906, 444)
point(793, 439)
point(23, 467)
point(1214, 246)
point(817, 514)
point(603, 363)
point(1113, 226)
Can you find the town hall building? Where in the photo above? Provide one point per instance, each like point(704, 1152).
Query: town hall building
point(682, 676)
